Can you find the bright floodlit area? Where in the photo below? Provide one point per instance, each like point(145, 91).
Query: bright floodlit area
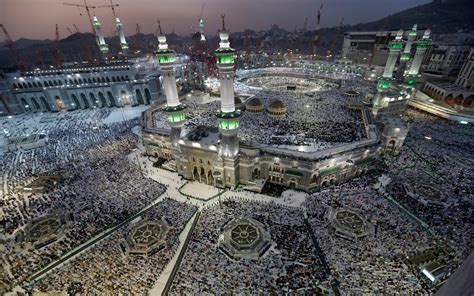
point(292, 149)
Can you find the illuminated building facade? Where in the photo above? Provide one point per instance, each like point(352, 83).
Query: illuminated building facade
point(214, 155)
point(77, 88)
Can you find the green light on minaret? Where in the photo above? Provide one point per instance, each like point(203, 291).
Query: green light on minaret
point(165, 59)
point(396, 45)
point(383, 84)
point(423, 43)
point(410, 81)
point(405, 57)
point(176, 117)
point(229, 124)
point(226, 59)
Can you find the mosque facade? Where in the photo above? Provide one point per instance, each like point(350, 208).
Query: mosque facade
point(213, 155)
point(76, 88)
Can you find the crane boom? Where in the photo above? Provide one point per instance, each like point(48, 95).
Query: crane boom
point(9, 41)
point(56, 33)
point(87, 10)
point(202, 10)
point(111, 5)
point(17, 59)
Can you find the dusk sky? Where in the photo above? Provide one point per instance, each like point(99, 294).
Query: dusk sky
point(36, 19)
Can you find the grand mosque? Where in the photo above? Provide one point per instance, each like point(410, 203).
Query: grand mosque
point(215, 155)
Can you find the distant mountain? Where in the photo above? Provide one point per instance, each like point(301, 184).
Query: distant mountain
point(25, 42)
point(443, 16)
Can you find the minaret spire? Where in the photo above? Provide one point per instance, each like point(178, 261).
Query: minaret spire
point(159, 27)
point(223, 22)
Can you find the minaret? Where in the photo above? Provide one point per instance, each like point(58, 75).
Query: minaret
point(395, 47)
point(228, 117)
point(123, 42)
point(174, 109)
point(201, 30)
point(411, 37)
point(421, 47)
point(104, 48)
point(406, 55)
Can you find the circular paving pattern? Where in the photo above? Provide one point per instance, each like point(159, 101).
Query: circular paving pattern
point(147, 236)
point(44, 228)
point(430, 192)
point(350, 220)
point(349, 223)
point(244, 234)
point(244, 237)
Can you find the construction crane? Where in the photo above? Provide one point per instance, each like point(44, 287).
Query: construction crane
point(56, 33)
point(138, 43)
point(76, 28)
point(118, 26)
point(333, 46)
point(87, 7)
point(58, 58)
point(305, 25)
point(8, 42)
point(302, 36)
point(69, 30)
point(11, 46)
point(316, 36)
point(111, 5)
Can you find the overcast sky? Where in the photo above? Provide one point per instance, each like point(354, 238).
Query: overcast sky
point(37, 18)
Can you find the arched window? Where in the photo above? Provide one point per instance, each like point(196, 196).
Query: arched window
point(111, 98)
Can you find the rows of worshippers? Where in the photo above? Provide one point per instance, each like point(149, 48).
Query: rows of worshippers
point(127, 273)
point(291, 264)
point(320, 120)
point(102, 187)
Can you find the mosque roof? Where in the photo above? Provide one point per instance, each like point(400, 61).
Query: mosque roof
point(255, 102)
point(277, 104)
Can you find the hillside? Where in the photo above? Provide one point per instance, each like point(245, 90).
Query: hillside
point(448, 17)
point(441, 16)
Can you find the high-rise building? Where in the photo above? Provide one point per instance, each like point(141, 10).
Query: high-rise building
point(466, 75)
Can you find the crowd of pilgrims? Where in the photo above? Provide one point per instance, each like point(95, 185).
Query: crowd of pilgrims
point(101, 188)
point(291, 264)
point(109, 269)
point(375, 263)
point(67, 134)
point(279, 83)
point(438, 153)
point(320, 119)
